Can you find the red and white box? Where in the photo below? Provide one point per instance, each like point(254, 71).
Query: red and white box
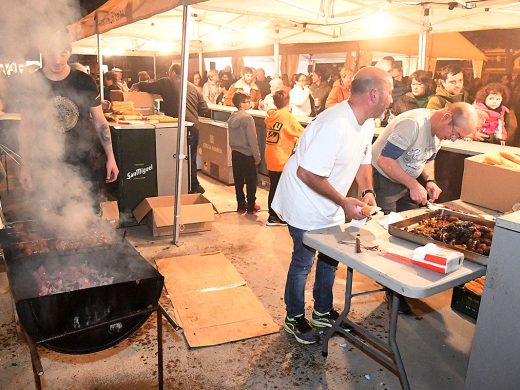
point(434, 257)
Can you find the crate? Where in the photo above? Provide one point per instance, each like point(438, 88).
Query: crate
point(465, 302)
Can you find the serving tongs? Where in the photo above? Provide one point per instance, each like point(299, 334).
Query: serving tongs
point(435, 206)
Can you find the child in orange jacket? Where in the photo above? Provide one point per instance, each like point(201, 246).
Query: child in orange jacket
point(282, 132)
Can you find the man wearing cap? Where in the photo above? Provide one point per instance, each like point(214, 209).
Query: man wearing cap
point(119, 79)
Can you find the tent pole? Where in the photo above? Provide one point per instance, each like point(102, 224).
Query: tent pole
point(154, 67)
point(186, 10)
point(201, 63)
point(100, 60)
point(276, 53)
point(426, 28)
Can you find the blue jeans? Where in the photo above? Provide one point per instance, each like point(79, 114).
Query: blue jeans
point(301, 264)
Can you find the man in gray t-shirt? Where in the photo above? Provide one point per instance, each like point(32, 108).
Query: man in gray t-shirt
point(407, 149)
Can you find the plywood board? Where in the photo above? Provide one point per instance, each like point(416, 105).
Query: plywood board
point(212, 302)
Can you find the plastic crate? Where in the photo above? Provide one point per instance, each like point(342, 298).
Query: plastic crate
point(465, 302)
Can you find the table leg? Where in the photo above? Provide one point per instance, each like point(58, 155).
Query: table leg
point(343, 315)
point(393, 343)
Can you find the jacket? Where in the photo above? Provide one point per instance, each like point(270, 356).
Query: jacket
point(282, 132)
point(408, 102)
point(442, 98)
point(494, 120)
point(320, 92)
point(239, 86)
point(338, 93)
point(242, 135)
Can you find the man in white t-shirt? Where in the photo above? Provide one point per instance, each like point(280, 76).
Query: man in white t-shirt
point(334, 149)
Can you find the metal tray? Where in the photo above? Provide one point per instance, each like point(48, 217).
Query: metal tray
point(398, 229)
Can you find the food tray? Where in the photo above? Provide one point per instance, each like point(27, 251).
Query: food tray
point(398, 229)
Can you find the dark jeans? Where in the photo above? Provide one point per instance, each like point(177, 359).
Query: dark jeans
point(193, 144)
point(274, 178)
point(391, 196)
point(301, 264)
point(244, 172)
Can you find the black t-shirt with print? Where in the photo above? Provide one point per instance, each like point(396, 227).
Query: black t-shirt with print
point(63, 109)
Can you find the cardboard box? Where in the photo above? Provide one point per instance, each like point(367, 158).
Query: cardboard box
point(110, 213)
point(489, 186)
point(196, 214)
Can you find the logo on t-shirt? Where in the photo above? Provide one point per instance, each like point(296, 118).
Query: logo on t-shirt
point(66, 113)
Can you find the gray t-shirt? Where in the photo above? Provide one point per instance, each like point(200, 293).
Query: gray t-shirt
point(411, 132)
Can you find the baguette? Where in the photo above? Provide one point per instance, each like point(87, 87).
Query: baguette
point(511, 157)
point(369, 211)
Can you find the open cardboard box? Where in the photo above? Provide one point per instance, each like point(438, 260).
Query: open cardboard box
point(196, 214)
point(110, 213)
point(140, 99)
point(490, 186)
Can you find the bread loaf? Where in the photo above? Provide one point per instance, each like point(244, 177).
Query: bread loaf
point(511, 157)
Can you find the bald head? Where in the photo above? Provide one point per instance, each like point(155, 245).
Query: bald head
point(371, 93)
point(465, 118)
point(368, 78)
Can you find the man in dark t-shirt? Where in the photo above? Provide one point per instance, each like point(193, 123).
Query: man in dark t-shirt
point(168, 88)
point(63, 128)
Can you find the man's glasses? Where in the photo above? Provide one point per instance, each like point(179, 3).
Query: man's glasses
point(417, 84)
point(455, 135)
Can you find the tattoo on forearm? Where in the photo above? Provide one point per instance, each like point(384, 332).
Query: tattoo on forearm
point(104, 134)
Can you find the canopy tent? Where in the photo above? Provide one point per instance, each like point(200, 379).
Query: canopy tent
point(140, 27)
point(152, 28)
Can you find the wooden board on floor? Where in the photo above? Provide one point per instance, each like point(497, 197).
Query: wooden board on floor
point(211, 300)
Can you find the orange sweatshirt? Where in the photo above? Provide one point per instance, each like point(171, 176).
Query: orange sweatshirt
point(282, 132)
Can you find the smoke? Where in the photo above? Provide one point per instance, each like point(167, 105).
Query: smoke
point(63, 194)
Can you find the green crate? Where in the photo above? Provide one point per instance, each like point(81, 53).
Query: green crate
point(465, 302)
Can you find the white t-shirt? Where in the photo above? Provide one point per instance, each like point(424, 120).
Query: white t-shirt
point(333, 145)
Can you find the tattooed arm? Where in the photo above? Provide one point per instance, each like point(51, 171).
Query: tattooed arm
point(103, 133)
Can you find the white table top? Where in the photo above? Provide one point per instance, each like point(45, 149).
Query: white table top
point(406, 279)
point(256, 113)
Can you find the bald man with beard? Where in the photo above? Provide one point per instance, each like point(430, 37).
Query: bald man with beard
point(333, 150)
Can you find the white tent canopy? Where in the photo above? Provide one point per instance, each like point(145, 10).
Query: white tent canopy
point(155, 27)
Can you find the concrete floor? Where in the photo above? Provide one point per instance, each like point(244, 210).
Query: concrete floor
point(434, 343)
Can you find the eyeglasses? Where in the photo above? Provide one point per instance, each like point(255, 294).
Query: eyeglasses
point(455, 135)
point(417, 85)
point(246, 102)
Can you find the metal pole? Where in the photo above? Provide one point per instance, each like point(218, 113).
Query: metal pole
point(186, 10)
point(154, 67)
point(100, 60)
point(201, 63)
point(276, 54)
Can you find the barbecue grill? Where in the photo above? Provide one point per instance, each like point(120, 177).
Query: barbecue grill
point(62, 294)
point(78, 296)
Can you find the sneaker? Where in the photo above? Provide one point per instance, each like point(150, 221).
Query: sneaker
point(253, 210)
point(319, 320)
point(275, 221)
point(301, 330)
point(242, 208)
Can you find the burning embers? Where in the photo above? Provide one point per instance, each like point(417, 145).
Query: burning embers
point(71, 278)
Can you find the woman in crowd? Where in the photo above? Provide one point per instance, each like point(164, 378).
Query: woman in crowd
point(210, 90)
point(341, 88)
point(197, 81)
point(300, 97)
point(423, 87)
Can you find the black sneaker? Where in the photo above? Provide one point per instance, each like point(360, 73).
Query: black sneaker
point(319, 320)
point(275, 221)
point(301, 330)
point(242, 208)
